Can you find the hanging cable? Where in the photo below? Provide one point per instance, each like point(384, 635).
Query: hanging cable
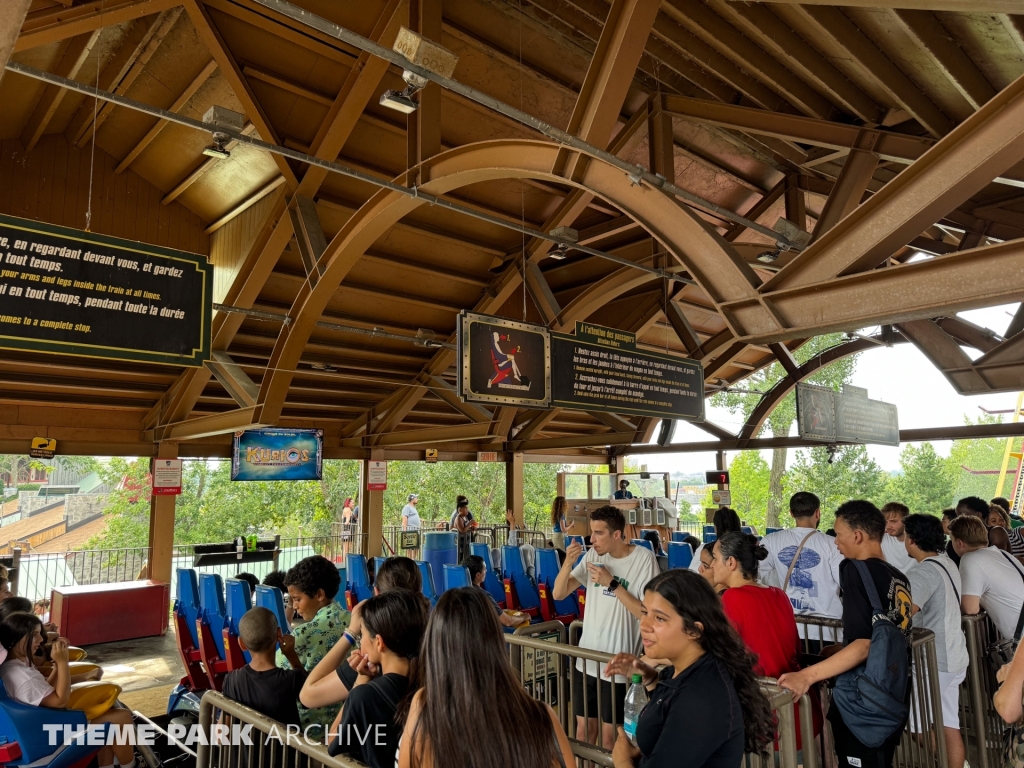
point(334, 167)
point(637, 173)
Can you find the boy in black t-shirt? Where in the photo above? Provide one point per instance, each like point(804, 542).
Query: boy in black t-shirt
point(261, 685)
point(859, 530)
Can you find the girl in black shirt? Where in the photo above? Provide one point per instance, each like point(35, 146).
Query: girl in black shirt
point(706, 709)
point(392, 629)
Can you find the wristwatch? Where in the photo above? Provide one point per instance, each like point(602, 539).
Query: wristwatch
point(614, 584)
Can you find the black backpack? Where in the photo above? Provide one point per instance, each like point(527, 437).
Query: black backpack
point(872, 697)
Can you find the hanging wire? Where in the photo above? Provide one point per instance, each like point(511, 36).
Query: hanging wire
point(95, 117)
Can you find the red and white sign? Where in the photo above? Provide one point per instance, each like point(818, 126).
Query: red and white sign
point(486, 455)
point(377, 476)
point(166, 477)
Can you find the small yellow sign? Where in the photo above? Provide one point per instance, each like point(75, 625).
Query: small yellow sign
point(431, 455)
point(43, 448)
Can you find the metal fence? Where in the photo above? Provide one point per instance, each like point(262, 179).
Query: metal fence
point(923, 744)
point(491, 535)
point(39, 575)
point(980, 724)
point(547, 667)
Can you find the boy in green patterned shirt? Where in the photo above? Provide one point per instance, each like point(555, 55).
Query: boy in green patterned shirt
point(312, 584)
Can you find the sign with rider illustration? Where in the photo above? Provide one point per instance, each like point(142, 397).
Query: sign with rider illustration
point(845, 417)
point(504, 361)
point(277, 454)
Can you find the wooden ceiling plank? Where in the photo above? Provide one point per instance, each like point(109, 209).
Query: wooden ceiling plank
point(925, 28)
point(12, 18)
point(115, 70)
point(55, 24)
point(774, 34)
point(760, 208)
point(721, 35)
point(831, 23)
point(202, 169)
point(246, 204)
point(960, 6)
point(286, 84)
point(183, 97)
point(229, 68)
point(703, 55)
point(76, 52)
point(161, 28)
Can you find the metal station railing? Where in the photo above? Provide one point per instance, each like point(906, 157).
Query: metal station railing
point(547, 666)
point(923, 744)
point(980, 724)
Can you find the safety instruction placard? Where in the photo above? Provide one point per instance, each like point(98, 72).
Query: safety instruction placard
point(78, 293)
point(376, 475)
point(166, 477)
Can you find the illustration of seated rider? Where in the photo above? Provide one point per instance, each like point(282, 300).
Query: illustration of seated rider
point(505, 362)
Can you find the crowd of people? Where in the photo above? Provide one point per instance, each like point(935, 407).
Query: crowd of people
point(697, 638)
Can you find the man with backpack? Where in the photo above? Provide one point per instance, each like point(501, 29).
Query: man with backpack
point(870, 700)
point(936, 588)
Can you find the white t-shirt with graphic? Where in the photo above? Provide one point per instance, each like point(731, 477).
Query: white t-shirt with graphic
point(995, 576)
point(608, 626)
point(814, 584)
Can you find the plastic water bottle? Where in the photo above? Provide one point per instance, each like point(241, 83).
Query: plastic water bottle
point(636, 700)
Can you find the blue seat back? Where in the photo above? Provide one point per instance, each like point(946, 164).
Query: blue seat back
point(642, 543)
point(680, 555)
point(377, 563)
point(187, 602)
point(771, 530)
point(211, 602)
point(547, 570)
point(456, 576)
point(239, 601)
point(24, 724)
point(491, 581)
point(748, 529)
point(515, 570)
point(428, 581)
point(358, 577)
point(709, 534)
point(272, 599)
point(678, 535)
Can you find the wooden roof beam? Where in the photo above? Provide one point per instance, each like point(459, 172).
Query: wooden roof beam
point(956, 65)
point(190, 90)
point(777, 36)
point(55, 24)
point(12, 17)
point(121, 70)
point(76, 52)
point(229, 68)
point(960, 6)
point(843, 33)
point(609, 76)
point(202, 169)
point(718, 33)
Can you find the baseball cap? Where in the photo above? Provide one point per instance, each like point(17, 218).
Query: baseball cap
point(413, 496)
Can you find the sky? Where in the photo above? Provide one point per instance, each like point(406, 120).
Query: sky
point(901, 375)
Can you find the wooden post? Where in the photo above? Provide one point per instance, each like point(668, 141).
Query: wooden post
point(371, 515)
point(161, 523)
point(514, 486)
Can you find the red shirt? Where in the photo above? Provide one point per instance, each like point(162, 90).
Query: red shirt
point(763, 616)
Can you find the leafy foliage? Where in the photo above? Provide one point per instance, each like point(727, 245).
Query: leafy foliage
point(748, 474)
point(851, 474)
point(927, 482)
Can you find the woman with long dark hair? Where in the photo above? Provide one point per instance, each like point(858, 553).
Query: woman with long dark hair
point(466, 679)
point(762, 615)
point(392, 629)
point(559, 527)
point(706, 708)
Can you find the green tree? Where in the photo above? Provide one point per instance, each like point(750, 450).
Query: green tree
point(846, 473)
point(748, 482)
point(925, 484)
point(781, 419)
point(968, 458)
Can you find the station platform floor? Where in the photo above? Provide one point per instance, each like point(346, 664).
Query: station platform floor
point(146, 669)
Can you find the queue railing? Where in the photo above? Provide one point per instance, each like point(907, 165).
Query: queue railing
point(980, 724)
point(923, 744)
point(547, 667)
point(274, 746)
